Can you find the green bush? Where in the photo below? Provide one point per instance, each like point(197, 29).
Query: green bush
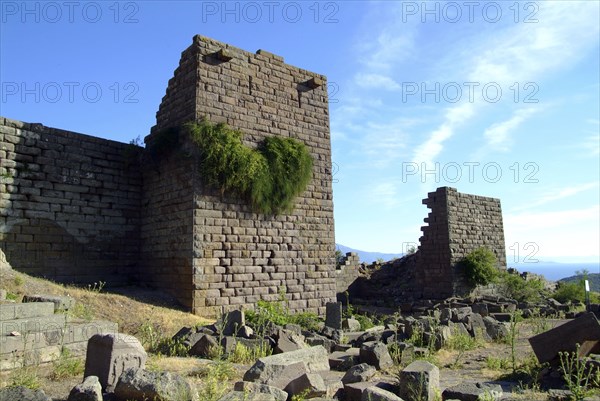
point(480, 267)
point(566, 292)
point(515, 287)
point(269, 177)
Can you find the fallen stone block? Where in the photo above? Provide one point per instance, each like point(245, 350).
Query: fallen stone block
point(343, 360)
point(564, 338)
point(379, 394)
point(310, 385)
point(249, 387)
point(232, 322)
point(473, 392)
point(502, 317)
point(20, 393)
point(495, 329)
point(350, 324)
point(288, 341)
point(266, 369)
point(205, 347)
point(419, 380)
point(354, 391)
point(140, 384)
point(89, 390)
point(376, 355)
point(359, 373)
point(109, 355)
point(61, 303)
point(243, 396)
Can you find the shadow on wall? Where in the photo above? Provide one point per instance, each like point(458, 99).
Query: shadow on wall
point(40, 247)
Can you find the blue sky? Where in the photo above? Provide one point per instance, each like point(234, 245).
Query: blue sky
point(494, 98)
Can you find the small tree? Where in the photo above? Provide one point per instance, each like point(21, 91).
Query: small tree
point(480, 267)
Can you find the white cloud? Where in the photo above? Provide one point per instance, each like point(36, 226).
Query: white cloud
point(498, 134)
point(375, 81)
point(385, 194)
point(558, 194)
point(556, 233)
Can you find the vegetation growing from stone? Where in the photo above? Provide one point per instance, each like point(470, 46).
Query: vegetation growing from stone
point(480, 267)
point(277, 312)
point(270, 177)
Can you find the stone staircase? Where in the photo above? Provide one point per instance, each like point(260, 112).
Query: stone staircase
point(34, 333)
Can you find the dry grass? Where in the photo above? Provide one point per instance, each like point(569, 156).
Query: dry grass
point(126, 310)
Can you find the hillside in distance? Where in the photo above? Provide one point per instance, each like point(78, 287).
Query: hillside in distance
point(593, 278)
point(368, 257)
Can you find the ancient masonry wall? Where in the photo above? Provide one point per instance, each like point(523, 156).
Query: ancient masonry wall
point(457, 224)
point(230, 255)
point(69, 204)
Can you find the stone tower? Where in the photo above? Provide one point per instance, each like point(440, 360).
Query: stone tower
point(457, 224)
point(212, 251)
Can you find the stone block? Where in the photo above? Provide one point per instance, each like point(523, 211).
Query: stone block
point(359, 373)
point(376, 354)
point(249, 387)
point(89, 390)
point(309, 384)
point(140, 384)
point(333, 315)
point(419, 380)
point(61, 303)
point(109, 355)
point(20, 393)
point(379, 394)
point(473, 392)
point(279, 370)
point(564, 338)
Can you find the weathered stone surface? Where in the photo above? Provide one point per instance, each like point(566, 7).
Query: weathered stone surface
point(351, 324)
point(249, 387)
point(244, 396)
point(279, 370)
point(61, 303)
point(495, 329)
point(343, 360)
point(140, 384)
point(333, 315)
point(379, 394)
point(354, 391)
point(547, 345)
point(109, 355)
point(20, 393)
point(309, 384)
point(288, 341)
point(206, 346)
point(376, 355)
point(419, 380)
point(89, 390)
point(233, 322)
point(359, 373)
point(473, 391)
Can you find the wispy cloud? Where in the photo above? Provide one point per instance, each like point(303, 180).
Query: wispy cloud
point(558, 194)
point(520, 54)
point(385, 194)
point(375, 81)
point(498, 136)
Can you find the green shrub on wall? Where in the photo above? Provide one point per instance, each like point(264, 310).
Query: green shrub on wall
point(269, 177)
point(480, 267)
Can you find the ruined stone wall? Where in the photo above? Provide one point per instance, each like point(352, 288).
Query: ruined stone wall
point(347, 272)
point(83, 209)
point(239, 256)
point(69, 204)
point(457, 224)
